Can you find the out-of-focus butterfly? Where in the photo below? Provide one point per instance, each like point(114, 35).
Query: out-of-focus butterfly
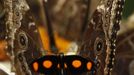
point(62, 65)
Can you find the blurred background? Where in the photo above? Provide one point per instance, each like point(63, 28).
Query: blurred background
point(68, 20)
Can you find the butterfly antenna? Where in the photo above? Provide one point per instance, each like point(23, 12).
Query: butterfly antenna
point(50, 30)
point(86, 16)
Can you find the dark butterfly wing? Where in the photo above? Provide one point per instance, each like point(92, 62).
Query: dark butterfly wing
point(102, 28)
point(67, 65)
point(27, 44)
point(76, 65)
point(46, 65)
point(93, 42)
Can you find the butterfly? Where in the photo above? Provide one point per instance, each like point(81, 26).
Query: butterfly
point(62, 65)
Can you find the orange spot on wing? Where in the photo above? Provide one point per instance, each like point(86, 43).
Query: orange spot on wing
point(89, 65)
point(35, 66)
point(76, 63)
point(47, 64)
point(65, 65)
point(58, 65)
